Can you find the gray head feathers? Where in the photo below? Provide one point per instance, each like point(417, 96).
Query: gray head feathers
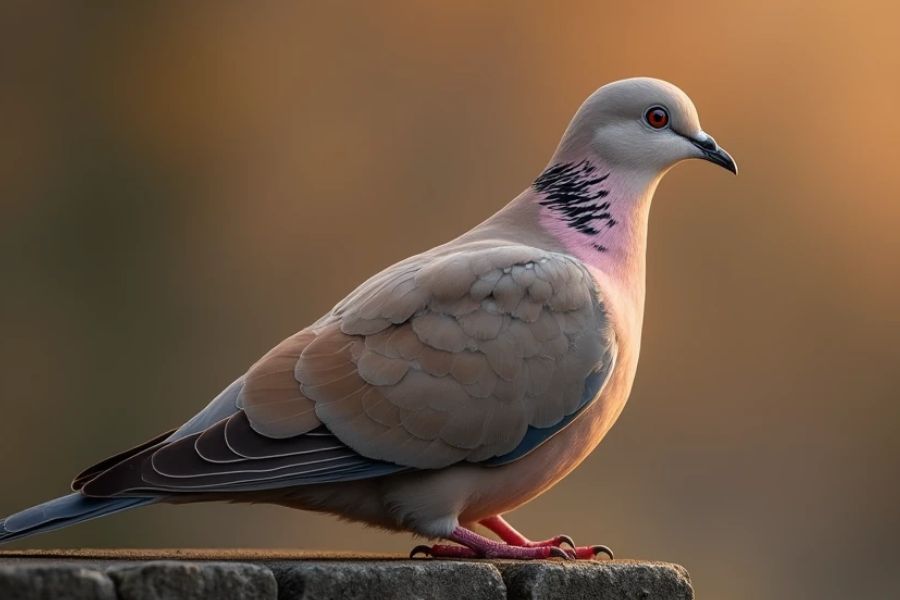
point(612, 124)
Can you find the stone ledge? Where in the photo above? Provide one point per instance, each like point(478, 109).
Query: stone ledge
point(282, 575)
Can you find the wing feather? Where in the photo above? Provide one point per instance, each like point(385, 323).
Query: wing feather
point(495, 341)
point(476, 355)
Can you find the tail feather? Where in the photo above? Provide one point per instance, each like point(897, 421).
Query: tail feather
point(62, 512)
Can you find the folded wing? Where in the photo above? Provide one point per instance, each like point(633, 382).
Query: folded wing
point(478, 355)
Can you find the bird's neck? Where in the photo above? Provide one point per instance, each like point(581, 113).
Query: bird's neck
point(587, 209)
point(600, 214)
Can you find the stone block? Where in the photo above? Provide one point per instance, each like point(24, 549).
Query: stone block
point(54, 583)
point(598, 580)
point(388, 580)
point(168, 580)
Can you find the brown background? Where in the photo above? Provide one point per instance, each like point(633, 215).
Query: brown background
point(182, 187)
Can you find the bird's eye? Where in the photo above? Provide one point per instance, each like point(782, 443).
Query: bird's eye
point(657, 117)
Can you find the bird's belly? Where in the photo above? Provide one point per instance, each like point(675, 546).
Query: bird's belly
point(501, 489)
point(432, 503)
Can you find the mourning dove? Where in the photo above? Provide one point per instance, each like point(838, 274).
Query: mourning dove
point(455, 385)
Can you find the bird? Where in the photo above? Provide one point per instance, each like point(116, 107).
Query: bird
point(455, 385)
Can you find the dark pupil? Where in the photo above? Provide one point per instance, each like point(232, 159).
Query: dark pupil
point(657, 117)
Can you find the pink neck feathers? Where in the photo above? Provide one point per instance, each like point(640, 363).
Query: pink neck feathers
point(600, 216)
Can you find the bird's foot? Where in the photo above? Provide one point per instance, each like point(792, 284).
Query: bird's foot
point(511, 536)
point(473, 545)
point(572, 551)
point(496, 550)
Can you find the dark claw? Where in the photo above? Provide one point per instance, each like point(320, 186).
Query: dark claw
point(559, 553)
point(564, 539)
point(602, 550)
point(426, 550)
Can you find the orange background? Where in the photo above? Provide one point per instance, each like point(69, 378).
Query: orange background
point(182, 186)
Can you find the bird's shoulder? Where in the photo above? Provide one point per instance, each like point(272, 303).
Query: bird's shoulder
point(458, 280)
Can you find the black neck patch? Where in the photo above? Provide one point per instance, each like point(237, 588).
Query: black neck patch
point(568, 190)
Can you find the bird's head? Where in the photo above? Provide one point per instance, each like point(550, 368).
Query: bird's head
point(641, 124)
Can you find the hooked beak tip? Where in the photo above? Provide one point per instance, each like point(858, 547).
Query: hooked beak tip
point(713, 153)
point(723, 159)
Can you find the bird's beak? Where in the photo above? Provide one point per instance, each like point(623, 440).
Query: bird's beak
point(712, 152)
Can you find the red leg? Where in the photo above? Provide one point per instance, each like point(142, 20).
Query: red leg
point(473, 545)
point(510, 535)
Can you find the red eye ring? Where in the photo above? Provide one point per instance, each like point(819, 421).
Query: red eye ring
point(657, 117)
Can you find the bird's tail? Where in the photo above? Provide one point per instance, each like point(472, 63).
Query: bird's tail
point(62, 512)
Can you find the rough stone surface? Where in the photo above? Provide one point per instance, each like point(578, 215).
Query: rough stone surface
point(406, 579)
point(54, 583)
point(162, 580)
point(287, 575)
point(608, 580)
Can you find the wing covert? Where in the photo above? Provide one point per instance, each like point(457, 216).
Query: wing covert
point(452, 358)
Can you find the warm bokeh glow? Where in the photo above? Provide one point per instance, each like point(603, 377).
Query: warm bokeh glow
point(182, 187)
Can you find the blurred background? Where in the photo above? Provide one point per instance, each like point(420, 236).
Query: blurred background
point(183, 185)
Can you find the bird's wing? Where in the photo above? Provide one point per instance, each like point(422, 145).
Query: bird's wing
point(479, 355)
point(444, 359)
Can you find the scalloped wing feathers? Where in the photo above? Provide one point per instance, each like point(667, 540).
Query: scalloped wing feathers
point(440, 360)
